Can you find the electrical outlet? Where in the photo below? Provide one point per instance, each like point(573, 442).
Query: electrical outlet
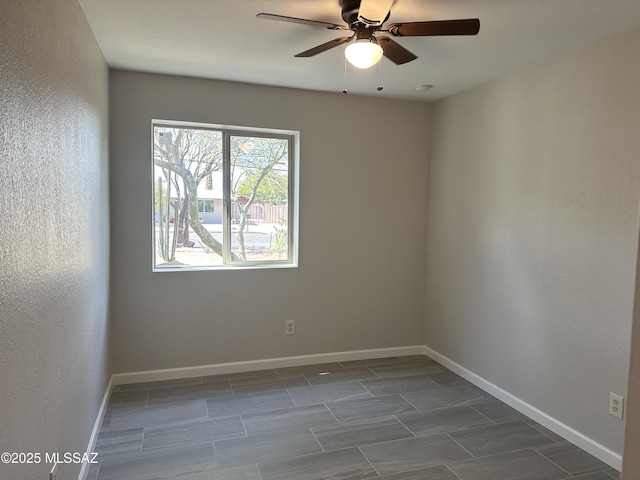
point(616, 405)
point(290, 327)
point(53, 475)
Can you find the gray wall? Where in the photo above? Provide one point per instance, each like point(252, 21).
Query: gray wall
point(363, 184)
point(631, 464)
point(54, 235)
point(532, 234)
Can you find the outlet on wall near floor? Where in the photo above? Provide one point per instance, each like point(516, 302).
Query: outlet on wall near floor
point(290, 327)
point(616, 405)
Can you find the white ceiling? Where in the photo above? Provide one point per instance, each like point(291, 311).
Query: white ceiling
point(223, 39)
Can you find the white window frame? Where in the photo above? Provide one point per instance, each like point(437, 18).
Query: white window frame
point(229, 131)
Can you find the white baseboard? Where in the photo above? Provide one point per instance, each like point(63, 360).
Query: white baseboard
point(84, 471)
point(587, 444)
point(235, 367)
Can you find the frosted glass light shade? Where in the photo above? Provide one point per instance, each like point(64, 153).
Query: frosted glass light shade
point(363, 54)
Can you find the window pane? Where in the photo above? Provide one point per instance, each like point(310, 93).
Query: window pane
point(188, 197)
point(259, 198)
point(222, 197)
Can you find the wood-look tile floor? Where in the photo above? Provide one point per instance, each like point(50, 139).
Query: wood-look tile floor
point(400, 418)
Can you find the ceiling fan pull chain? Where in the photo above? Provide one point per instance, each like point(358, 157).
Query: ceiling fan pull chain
point(344, 90)
point(380, 87)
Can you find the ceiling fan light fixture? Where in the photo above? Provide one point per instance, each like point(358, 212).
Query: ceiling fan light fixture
point(364, 53)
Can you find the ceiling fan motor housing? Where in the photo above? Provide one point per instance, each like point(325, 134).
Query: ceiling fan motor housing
point(350, 9)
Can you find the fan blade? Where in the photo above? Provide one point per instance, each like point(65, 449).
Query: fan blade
point(468, 26)
point(374, 12)
point(394, 51)
point(324, 47)
point(302, 21)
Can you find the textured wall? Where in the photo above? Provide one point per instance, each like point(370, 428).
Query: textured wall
point(533, 209)
point(631, 463)
point(360, 284)
point(53, 231)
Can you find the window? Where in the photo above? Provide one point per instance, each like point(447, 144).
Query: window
point(223, 197)
point(205, 205)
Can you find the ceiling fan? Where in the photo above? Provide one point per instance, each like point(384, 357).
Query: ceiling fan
point(365, 18)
